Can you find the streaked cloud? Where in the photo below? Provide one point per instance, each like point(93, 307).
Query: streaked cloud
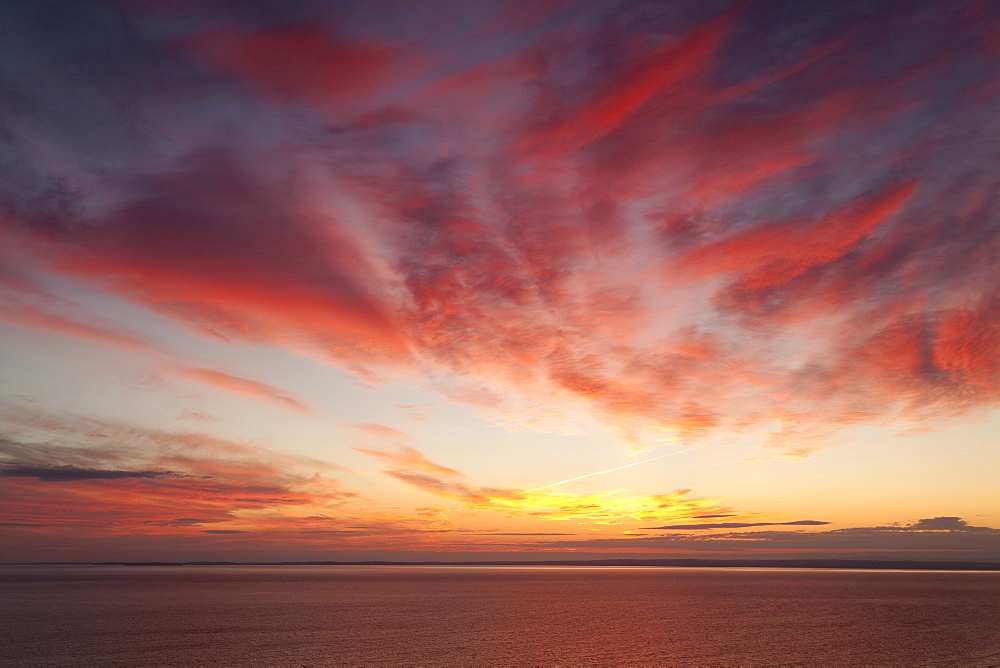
point(736, 263)
point(740, 525)
point(244, 386)
point(408, 459)
point(412, 468)
point(67, 473)
point(124, 479)
point(26, 316)
point(972, 543)
point(381, 431)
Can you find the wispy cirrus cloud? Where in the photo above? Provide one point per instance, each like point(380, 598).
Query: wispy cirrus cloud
point(35, 318)
point(683, 222)
point(237, 385)
point(381, 431)
point(405, 458)
point(412, 467)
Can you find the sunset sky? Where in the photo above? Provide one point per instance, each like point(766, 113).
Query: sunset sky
point(524, 279)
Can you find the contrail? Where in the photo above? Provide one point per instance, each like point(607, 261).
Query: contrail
point(617, 468)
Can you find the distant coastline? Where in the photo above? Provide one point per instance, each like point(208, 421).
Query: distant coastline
point(865, 564)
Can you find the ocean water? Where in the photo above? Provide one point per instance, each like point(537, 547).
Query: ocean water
point(495, 616)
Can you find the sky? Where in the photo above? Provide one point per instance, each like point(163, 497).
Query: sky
point(499, 280)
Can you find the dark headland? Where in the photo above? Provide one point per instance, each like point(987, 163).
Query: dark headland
point(674, 563)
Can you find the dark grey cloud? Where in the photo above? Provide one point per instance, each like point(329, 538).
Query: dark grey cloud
point(22, 452)
point(186, 522)
point(355, 532)
point(67, 473)
point(223, 531)
point(21, 524)
point(738, 525)
point(931, 538)
point(491, 533)
point(936, 524)
point(942, 524)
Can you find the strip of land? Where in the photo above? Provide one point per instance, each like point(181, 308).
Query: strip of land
point(669, 563)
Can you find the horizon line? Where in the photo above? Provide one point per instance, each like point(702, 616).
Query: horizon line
point(875, 564)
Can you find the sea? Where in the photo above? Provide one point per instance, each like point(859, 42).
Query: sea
point(495, 616)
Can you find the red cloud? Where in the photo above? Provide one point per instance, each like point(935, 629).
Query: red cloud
point(683, 224)
point(670, 67)
point(211, 246)
point(298, 62)
point(967, 346)
point(769, 257)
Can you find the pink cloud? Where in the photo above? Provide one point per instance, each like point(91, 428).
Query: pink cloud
point(202, 245)
point(27, 316)
point(683, 225)
point(237, 385)
point(667, 70)
point(406, 458)
point(298, 62)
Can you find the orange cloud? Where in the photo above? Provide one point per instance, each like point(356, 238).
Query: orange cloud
point(118, 479)
point(381, 431)
point(120, 485)
point(411, 467)
point(406, 458)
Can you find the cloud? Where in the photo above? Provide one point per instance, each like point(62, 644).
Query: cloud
point(406, 458)
point(243, 386)
point(676, 223)
point(928, 524)
point(223, 531)
point(200, 243)
point(740, 525)
point(110, 478)
point(412, 468)
point(20, 524)
point(662, 72)
point(971, 543)
point(186, 521)
point(67, 473)
point(381, 431)
point(498, 533)
point(941, 524)
point(103, 485)
point(298, 62)
point(26, 316)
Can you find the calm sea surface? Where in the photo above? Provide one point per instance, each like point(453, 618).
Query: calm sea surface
point(494, 616)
